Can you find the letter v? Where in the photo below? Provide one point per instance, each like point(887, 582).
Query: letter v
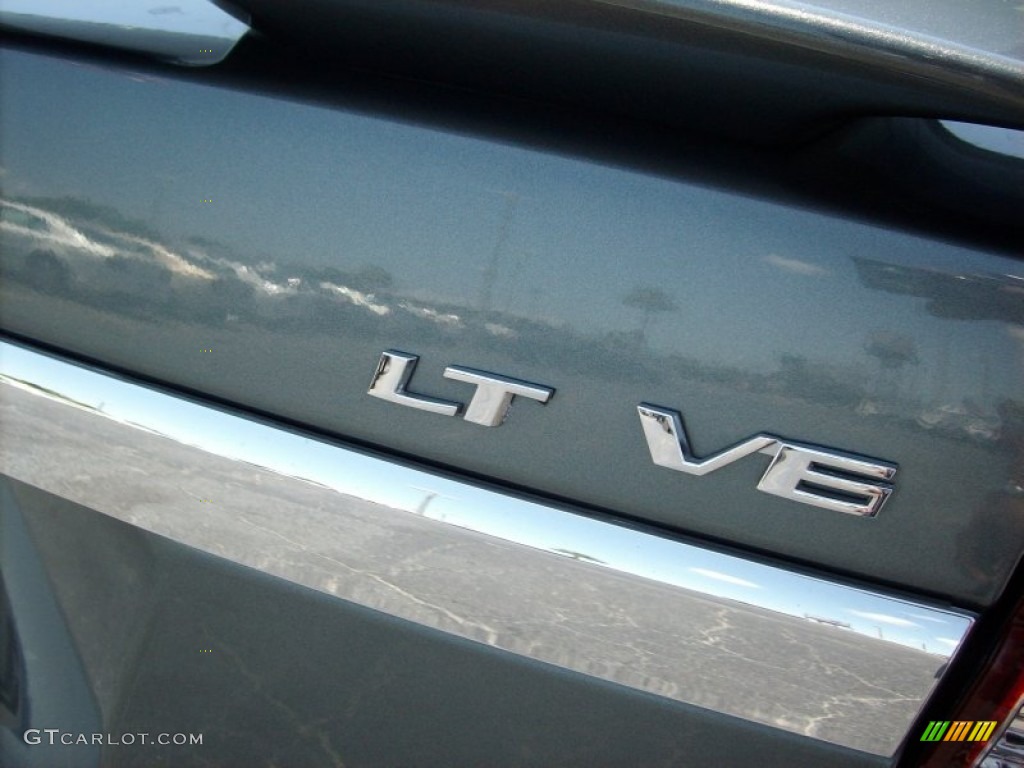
point(670, 447)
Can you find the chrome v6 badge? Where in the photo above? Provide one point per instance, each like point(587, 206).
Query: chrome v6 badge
point(809, 474)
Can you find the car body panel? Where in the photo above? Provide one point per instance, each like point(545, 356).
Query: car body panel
point(332, 236)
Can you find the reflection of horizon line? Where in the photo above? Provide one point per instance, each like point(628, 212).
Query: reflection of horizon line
point(695, 591)
point(37, 391)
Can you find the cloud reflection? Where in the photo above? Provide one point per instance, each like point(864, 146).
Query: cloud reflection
point(724, 577)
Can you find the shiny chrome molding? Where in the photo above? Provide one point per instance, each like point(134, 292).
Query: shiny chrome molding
point(828, 660)
point(191, 32)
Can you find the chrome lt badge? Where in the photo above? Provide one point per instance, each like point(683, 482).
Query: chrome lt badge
point(488, 406)
point(806, 473)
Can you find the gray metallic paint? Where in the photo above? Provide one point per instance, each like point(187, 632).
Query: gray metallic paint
point(768, 71)
point(51, 685)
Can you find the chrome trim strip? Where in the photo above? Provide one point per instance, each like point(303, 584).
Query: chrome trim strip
point(191, 32)
point(828, 660)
